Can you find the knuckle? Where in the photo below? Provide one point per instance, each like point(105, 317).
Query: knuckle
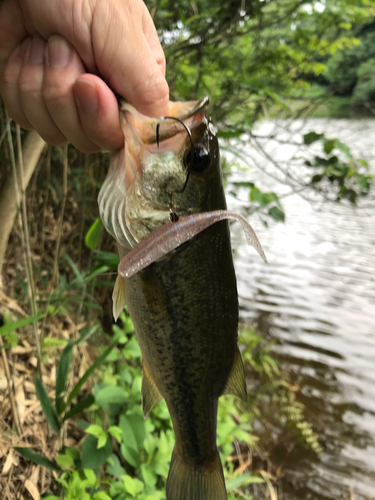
point(53, 94)
point(153, 91)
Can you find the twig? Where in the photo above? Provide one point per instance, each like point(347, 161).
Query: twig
point(48, 181)
point(54, 280)
point(61, 221)
point(11, 389)
point(29, 267)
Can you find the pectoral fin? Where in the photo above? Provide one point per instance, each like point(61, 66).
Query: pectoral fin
point(150, 393)
point(118, 297)
point(236, 382)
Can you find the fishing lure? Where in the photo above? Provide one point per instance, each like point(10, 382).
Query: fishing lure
point(173, 234)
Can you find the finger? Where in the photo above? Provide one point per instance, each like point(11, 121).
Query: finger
point(98, 112)
point(152, 38)
point(30, 85)
point(125, 59)
point(9, 87)
point(12, 31)
point(62, 70)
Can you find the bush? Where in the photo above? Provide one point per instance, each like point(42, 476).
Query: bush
point(365, 89)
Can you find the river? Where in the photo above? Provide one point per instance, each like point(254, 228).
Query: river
point(317, 297)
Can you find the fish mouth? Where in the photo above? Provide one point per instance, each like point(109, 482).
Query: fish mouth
point(128, 205)
point(141, 132)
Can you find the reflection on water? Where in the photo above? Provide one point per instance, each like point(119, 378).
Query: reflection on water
point(317, 295)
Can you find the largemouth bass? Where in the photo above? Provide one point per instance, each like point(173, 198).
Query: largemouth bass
point(183, 305)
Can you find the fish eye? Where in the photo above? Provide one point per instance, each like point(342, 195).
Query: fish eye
point(201, 159)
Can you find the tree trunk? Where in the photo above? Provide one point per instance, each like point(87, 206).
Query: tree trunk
point(31, 151)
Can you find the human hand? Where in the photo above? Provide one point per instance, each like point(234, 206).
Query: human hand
point(61, 61)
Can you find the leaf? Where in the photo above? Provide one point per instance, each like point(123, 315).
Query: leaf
point(329, 145)
point(255, 194)
point(101, 495)
point(90, 476)
point(66, 461)
point(277, 214)
point(52, 342)
point(107, 258)
point(242, 480)
point(243, 184)
point(62, 377)
point(47, 406)
point(95, 430)
point(312, 137)
point(12, 338)
point(38, 459)
point(102, 441)
point(79, 407)
point(130, 485)
point(316, 178)
point(115, 468)
point(111, 399)
point(72, 452)
point(75, 269)
point(10, 327)
point(92, 457)
point(86, 333)
point(87, 374)
point(344, 149)
point(133, 430)
point(132, 349)
point(93, 234)
point(148, 474)
point(116, 432)
point(229, 134)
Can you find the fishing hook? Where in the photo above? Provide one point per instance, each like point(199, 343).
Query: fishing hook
point(174, 216)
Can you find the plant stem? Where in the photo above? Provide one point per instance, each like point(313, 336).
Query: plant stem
point(27, 249)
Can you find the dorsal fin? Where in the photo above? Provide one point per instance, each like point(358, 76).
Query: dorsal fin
point(150, 393)
point(236, 382)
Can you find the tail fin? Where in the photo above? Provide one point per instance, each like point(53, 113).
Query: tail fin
point(186, 482)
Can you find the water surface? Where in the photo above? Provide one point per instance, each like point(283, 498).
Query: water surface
point(317, 296)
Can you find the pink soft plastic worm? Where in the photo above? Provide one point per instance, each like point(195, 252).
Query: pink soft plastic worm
point(173, 234)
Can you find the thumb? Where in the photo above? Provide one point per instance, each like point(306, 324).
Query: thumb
point(129, 56)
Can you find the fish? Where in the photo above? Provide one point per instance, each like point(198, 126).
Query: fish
point(183, 299)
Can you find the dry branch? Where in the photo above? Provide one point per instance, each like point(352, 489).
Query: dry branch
point(31, 151)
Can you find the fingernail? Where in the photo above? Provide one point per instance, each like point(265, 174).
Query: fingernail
point(58, 52)
point(87, 96)
point(23, 48)
point(37, 49)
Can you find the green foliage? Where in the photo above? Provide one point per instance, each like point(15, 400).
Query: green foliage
point(365, 89)
point(93, 234)
point(343, 67)
point(274, 390)
point(8, 331)
point(348, 176)
point(37, 459)
point(124, 456)
point(47, 406)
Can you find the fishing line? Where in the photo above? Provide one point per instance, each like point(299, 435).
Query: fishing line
point(174, 216)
